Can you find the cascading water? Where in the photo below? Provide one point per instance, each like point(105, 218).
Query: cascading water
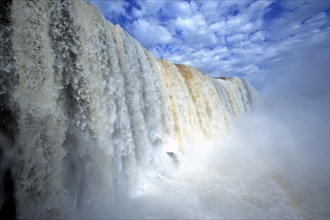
point(91, 121)
point(90, 108)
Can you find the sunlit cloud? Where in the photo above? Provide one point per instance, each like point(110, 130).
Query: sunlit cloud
point(224, 38)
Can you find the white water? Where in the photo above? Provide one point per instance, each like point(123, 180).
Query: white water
point(96, 116)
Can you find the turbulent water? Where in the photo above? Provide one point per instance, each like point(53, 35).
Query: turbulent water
point(93, 126)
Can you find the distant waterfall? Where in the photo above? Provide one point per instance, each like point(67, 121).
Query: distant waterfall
point(84, 107)
point(201, 107)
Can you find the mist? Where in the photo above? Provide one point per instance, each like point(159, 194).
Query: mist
point(96, 127)
point(272, 163)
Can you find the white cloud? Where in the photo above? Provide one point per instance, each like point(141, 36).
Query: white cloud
point(151, 8)
point(184, 24)
point(258, 37)
point(257, 8)
point(180, 9)
point(318, 20)
point(111, 8)
point(150, 34)
point(137, 13)
point(236, 38)
point(225, 37)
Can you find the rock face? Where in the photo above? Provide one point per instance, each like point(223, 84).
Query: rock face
point(84, 107)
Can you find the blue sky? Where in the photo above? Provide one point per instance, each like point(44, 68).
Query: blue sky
point(249, 39)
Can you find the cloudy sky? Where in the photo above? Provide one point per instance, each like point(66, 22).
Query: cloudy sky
point(249, 39)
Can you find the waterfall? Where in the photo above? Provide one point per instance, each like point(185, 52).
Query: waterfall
point(85, 109)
